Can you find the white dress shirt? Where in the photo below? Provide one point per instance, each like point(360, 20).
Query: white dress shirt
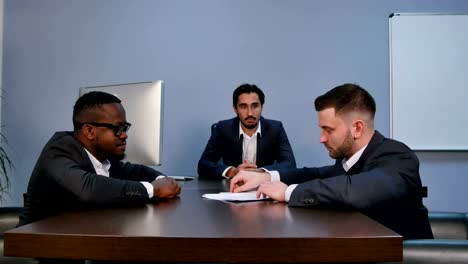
point(249, 146)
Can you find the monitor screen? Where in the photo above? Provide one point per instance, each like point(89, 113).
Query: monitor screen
point(143, 103)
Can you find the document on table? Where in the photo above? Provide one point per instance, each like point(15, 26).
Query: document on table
point(234, 197)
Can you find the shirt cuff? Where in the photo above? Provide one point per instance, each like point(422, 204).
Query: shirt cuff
point(225, 172)
point(149, 187)
point(289, 190)
point(274, 176)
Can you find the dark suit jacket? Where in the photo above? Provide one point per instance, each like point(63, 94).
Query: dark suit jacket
point(273, 148)
point(384, 184)
point(64, 178)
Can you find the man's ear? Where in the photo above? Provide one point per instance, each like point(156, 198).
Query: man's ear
point(358, 128)
point(89, 131)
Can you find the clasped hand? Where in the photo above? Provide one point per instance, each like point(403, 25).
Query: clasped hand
point(165, 188)
point(247, 165)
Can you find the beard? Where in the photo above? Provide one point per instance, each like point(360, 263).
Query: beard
point(119, 156)
point(247, 125)
point(344, 150)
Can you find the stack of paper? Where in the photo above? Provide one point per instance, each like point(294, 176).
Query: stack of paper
point(229, 196)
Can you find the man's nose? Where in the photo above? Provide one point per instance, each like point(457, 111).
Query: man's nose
point(249, 111)
point(123, 135)
point(323, 138)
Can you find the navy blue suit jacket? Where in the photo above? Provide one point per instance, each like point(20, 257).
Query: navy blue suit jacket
point(273, 148)
point(384, 184)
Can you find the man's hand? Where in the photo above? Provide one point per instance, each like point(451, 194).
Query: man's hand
point(232, 172)
point(247, 165)
point(248, 180)
point(165, 188)
point(275, 190)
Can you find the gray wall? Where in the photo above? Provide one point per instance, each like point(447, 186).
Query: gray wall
point(294, 50)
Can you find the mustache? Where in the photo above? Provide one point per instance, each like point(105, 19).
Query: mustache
point(250, 117)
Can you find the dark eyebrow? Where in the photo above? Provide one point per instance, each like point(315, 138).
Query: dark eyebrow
point(327, 127)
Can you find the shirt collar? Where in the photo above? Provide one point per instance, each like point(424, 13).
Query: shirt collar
point(259, 130)
point(348, 163)
point(105, 165)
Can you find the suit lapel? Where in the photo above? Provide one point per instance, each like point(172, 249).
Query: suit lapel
point(80, 155)
point(261, 144)
point(237, 142)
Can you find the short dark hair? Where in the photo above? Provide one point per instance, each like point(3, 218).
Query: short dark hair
point(347, 98)
point(91, 101)
point(247, 88)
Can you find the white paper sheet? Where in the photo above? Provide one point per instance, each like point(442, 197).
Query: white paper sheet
point(182, 178)
point(229, 196)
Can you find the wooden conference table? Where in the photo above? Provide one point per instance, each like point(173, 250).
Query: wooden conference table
point(194, 229)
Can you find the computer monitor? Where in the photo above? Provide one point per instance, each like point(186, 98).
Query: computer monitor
point(143, 103)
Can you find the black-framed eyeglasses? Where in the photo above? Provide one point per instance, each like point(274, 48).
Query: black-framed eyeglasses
point(118, 129)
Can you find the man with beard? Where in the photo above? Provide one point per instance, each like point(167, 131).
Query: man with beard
point(246, 142)
point(373, 174)
point(84, 167)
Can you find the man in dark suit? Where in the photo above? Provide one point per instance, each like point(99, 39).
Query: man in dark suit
point(373, 174)
point(246, 142)
point(84, 167)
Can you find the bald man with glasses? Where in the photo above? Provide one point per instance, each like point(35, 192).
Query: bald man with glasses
point(84, 167)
